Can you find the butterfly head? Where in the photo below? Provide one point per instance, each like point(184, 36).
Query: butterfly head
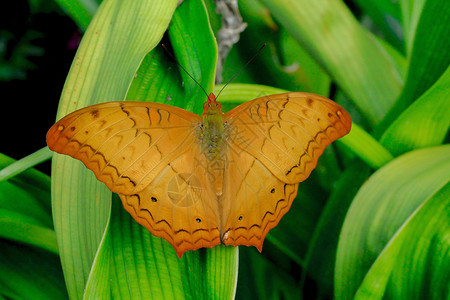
point(211, 107)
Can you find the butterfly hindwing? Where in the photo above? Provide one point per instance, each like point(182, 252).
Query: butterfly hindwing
point(254, 202)
point(179, 205)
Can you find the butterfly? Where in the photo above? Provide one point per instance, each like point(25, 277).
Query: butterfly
point(199, 181)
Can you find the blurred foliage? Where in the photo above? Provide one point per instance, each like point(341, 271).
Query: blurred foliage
point(370, 223)
point(15, 54)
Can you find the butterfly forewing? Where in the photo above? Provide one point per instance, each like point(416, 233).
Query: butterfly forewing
point(126, 144)
point(287, 132)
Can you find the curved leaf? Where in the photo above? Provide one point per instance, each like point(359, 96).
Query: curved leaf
point(132, 263)
point(423, 237)
point(117, 39)
point(425, 123)
point(353, 58)
point(381, 207)
point(429, 55)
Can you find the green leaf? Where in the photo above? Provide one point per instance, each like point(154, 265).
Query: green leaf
point(158, 80)
point(131, 262)
point(237, 93)
point(198, 55)
point(366, 147)
point(429, 56)
point(22, 228)
point(386, 15)
point(29, 176)
point(425, 123)
point(25, 163)
point(381, 208)
point(117, 39)
point(349, 53)
point(411, 10)
point(31, 187)
point(25, 215)
point(146, 266)
point(81, 11)
point(155, 81)
point(423, 237)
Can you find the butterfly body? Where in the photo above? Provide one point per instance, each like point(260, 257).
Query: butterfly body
point(201, 181)
point(212, 133)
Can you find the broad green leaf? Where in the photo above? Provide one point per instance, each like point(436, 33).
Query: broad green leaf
point(156, 81)
point(146, 266)
point(382, 206)
point(159, 79)
point(98, 285)
point(142, 265)
point(425, 123)
point(200, 60)
point(117, 39)
point(34, 179)
point(429, 56)
point(349, 53)
point(416, 259)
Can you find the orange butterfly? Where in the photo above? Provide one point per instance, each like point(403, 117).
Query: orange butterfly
point(201, 181)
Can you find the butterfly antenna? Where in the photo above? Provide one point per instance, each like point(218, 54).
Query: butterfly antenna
point(174, 59)
point(242, 69)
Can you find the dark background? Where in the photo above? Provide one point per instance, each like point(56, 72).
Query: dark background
point(37, 45)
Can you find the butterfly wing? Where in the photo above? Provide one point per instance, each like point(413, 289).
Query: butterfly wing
point(287, 132)
point(179, 204)
point(255, 201)
point(126, 144)
point(145, 152)
point(274, 143)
